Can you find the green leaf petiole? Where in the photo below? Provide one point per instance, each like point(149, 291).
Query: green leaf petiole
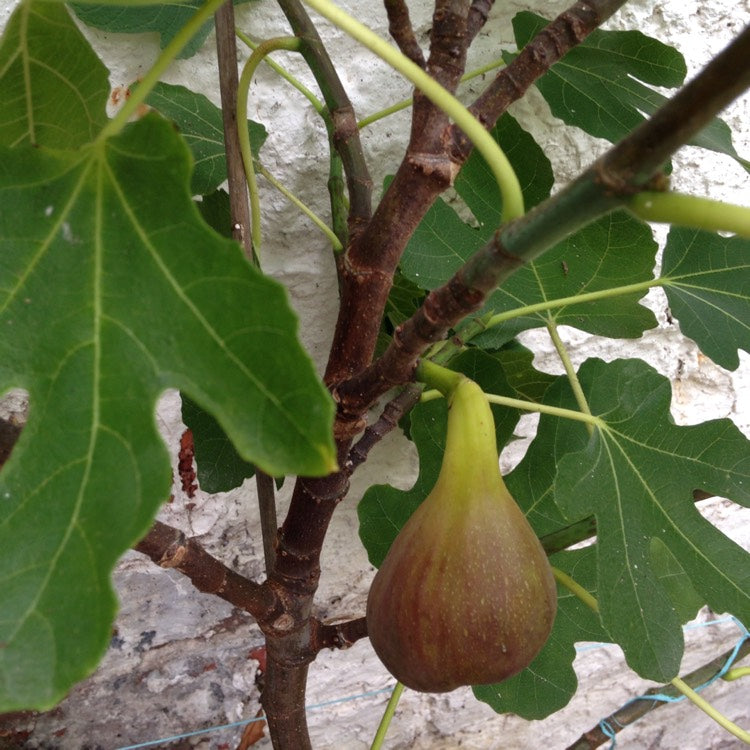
point(385, 722)
point(691, 211)
point(530, 406)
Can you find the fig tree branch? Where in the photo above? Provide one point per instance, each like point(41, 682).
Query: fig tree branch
point(568, 30)
point(429, 167)
point(226, 51)
point(608, 184)
point(338, 635)
point(478, 15)
point(171, 548)
point(401, 30)
point(345, 135)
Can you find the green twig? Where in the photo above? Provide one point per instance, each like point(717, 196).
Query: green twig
point(708, 709)
point(691, 211)
point(570, 371)
point(552, 304)
point(292, 198)
point(406, 103)
point(530, 406)
point(385, 722)
point(736, 673)
point(289, 43)
point(438, 377)
point(576, 589)
point(507, 181)
point(168, 54)
point(317, 105)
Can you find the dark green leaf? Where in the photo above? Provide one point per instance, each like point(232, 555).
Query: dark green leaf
point(138, 17)
point(478, 187)
point(440, 245)
point(53, 87)
point(383, 509)
point(615, 250)
point(517, 363)
point(220, 467)
point(637, 474)
point(598, 85)
point(112, 289)
point(675, 581)
point(201, 125)
point(707, 281)
point(403, 299)
point(549, 682)
point(216, 211)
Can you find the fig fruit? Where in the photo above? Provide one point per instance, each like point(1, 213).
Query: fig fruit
point(465, 595)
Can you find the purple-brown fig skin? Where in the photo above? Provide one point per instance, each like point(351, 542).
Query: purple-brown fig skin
point(465, 595)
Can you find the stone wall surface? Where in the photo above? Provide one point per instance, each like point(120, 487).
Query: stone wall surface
point(181, 661)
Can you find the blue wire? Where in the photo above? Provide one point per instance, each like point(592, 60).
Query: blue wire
point(245, 722)
point(604, 725)
point(606, 728)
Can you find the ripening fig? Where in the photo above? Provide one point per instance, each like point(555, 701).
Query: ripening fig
point(465, 595)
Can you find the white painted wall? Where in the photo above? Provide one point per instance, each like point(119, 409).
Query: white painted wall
point(179, 661)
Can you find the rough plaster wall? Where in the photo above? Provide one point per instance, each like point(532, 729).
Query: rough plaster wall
point(180, 660)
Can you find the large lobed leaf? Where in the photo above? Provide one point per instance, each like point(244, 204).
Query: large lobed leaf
point(707, 281)
point(140, 16)
point(637, 475)
point(604, 85)
point(112, 289)
point(61, 104)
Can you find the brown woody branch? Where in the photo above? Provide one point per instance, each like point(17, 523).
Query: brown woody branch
point(436, 152)
point(606, 185)
point(338, 635)
point(569, 29)
point(170, 548)
point(401, 30)
point(226, 48)
point(388, 419)
point(478, 15)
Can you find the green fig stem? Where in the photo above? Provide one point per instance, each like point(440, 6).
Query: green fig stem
point(691, 211)
point(438, 377)
point(406, 103)
point(385, 722)
point(304, 208)
point(575, 588)
point(736, 673)
point(708, 709)
point(531, 406)
point(470, 441)
point(580, 592)
point(570, 371)
point(317, 105)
